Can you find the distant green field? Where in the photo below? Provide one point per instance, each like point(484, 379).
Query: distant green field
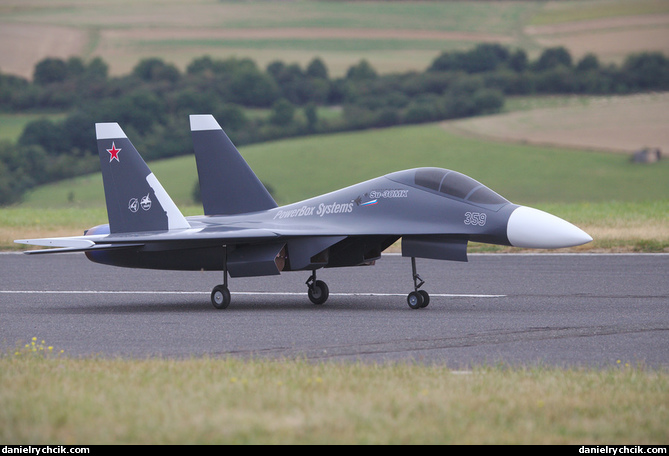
point(580, 11)
point(122, 32)
point(304, 167)
point(12, 125)
point(490, 16)
point(314, 45)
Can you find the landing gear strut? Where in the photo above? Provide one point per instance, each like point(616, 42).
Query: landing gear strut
point(318, 290)
point(220, 295)
point(417, 299)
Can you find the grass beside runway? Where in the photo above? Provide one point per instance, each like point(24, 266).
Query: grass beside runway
point(49, 398)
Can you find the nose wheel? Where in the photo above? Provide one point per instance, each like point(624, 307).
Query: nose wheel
point(220, 295)
point(417, 299)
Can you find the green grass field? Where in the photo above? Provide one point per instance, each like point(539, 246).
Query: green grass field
point(581, 11)
point(124, 31)
point(303, 167)
point(48, 398)
point(12, 125)
point(412, 33)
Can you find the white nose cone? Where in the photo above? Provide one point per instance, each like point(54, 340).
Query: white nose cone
point(535, 229)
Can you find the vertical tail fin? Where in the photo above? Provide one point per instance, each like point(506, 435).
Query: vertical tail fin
point(135, 199)
point(227, 183)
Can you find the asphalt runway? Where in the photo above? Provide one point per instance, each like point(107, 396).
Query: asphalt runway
point(543, 309)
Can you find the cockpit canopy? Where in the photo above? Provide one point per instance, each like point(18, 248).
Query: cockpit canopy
point(451, 184)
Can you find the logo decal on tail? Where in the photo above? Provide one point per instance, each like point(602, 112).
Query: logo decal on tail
point(113, 153)
point(134, 204)
point(146, 202)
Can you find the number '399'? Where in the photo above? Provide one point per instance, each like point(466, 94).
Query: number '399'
point(475, 218)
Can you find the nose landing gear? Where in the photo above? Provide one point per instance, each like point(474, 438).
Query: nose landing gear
point(220, 295)
point(417, 299)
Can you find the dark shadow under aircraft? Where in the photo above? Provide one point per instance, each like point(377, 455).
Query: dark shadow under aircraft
point(243, 232)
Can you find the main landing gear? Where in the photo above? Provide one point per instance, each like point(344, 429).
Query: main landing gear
point(318, 290)
point(417, 299)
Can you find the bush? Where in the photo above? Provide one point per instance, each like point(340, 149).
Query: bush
point(419, 113)
point(50, 70)
point(487, 101)
point(155, 69)
point(552, 58)
point(647, 71)
point(283, 113)
point(20, 169)
point(361, 71)
point(483, 58)
point(252, 88)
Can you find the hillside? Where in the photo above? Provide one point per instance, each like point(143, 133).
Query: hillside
point(620, 124)
point(300, 168)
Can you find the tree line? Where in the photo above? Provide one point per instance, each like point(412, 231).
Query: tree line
point(153, 101)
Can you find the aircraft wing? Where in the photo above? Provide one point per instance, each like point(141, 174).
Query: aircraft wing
point(137, 239)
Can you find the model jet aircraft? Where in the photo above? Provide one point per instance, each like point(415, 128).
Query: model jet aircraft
point(244, 233)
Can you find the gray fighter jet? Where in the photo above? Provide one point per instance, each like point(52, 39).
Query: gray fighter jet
point(244, 233)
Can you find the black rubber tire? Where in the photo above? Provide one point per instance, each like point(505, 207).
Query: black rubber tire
point(426, 298)
point(220, 297)
point(319, 292)
point(415, 300)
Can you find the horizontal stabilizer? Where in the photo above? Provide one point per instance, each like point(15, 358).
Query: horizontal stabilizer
point(65, 242)
point(83, 249)
point(71, 244)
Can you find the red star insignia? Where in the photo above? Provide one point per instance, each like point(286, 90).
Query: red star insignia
point(113, 153)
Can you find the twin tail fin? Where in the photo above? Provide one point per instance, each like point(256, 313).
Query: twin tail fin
point(227, 184)
point(136, 201)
